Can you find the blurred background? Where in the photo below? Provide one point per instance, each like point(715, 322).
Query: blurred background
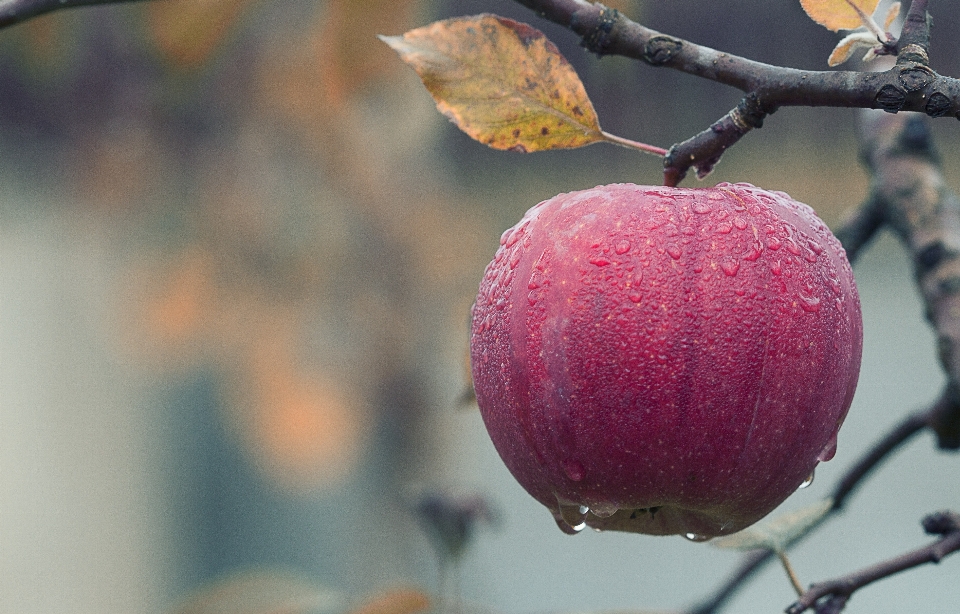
point(238, 248)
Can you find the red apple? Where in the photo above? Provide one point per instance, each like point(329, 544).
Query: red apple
point(664, 360)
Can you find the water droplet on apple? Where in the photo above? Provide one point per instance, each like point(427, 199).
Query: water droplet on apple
point(740, 223)
point(566, 528)
point(724, 228)
point(828, 451)
point(815, 247)
point(515, 258)
point(776, 268)
point(773, 244)
point(810, 304)
point(792, 247)
point(622, 247)
point(636, 297)
point(674, 251)
point(574, 470)
point(702, 207)
point(604, 510)
point(599, 261)
point(807, 482)
point(754, 253)
point(730, 267)
point(571, 517)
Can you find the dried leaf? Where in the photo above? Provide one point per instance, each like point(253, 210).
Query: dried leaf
point(848, 45)
point(501, 82)
point(778, 533)
point(838, 14)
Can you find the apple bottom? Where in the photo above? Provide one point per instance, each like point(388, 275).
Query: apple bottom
point(656, 520)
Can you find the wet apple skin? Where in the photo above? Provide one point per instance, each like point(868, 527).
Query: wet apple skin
point(676, 360)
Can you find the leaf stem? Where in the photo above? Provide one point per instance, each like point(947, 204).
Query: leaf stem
point(791, 572)
point(619, 140)
point(870, 24)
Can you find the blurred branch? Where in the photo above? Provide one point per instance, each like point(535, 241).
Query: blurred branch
point(13, 12)
point(838, 590)
point(909, 195)
point(909, 86)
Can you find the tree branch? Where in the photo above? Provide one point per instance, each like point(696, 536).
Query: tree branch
point(837, 591)
point(909, 86)
point(13, 12)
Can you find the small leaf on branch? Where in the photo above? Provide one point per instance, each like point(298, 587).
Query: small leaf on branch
point(848, 45)
point(778, 533)
point(838, 15)
point(504, 84)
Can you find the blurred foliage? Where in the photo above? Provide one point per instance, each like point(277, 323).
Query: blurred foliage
point(261, 167)
point(262, 592)
point(293, 211)
point(293, 214)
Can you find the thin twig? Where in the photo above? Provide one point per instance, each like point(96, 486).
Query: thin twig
point(13, 12)
point(845, 586)
point(851, 479)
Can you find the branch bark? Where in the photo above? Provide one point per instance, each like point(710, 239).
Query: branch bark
point(839, 590)
point(13, 12)
point(909, 86)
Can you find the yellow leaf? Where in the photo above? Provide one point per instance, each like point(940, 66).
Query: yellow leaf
point(848, 45)
point(839, 14)
point(502, 82)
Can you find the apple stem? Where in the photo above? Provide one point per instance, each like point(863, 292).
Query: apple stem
point(619, 140)
point(791, 573)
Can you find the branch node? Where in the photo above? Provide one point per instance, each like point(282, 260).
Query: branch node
point(915, 77)
point(945, 416)
point(598, 38)
point(941, 523)
point(938, 105)
point(661, 49)
point(914, 53)
point(890, 98)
